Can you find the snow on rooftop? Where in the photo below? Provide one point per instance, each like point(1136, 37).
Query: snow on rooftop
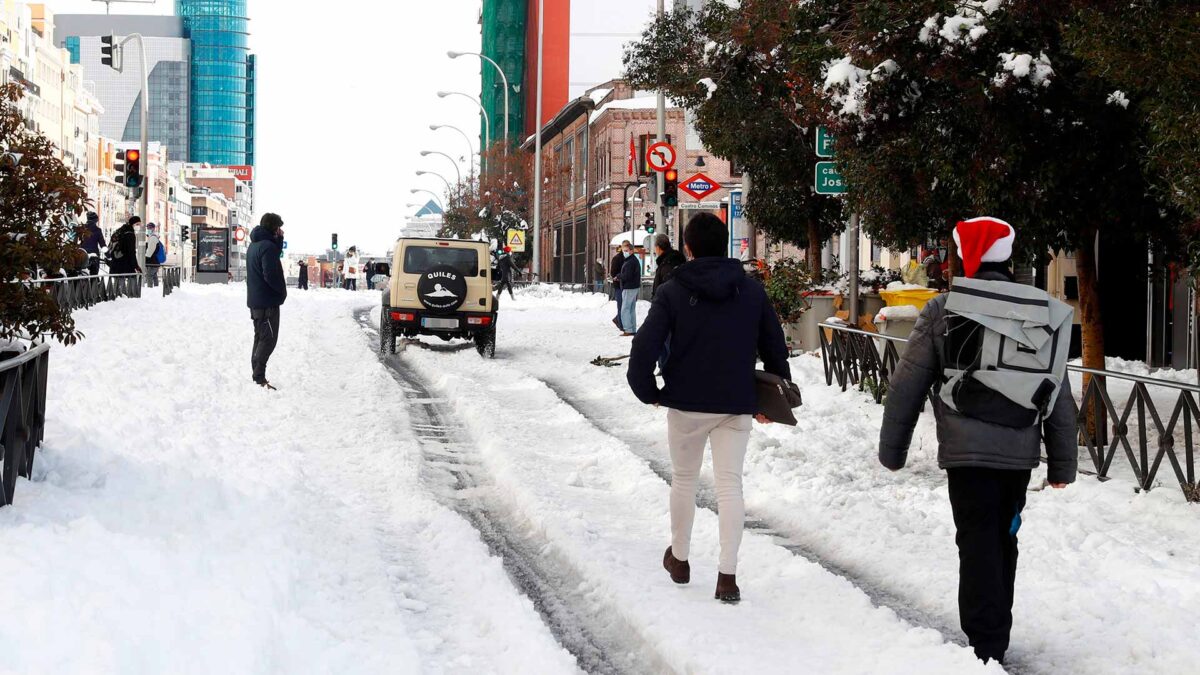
point(638, 103)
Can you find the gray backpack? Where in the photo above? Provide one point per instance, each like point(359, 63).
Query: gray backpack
point(1005, 351)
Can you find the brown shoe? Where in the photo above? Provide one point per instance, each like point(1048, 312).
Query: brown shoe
point(680, 570)
point(727, 589)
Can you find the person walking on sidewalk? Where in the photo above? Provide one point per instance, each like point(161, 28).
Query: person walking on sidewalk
point(266, 290)
point(668, 260)
point(990, 427)
point(631, 286)
point(719, 322)
point(123, 255)
point(155, 255)
point(93, 241)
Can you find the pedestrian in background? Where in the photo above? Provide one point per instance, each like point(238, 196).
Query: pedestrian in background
point(987, 460)
point(614, 278)
point(303, 283)
point(369, 273)
point(266, 290)
point(154, 255)
point(93, 241)
point(631, 286)
point(719, 323)
point(350, 265)
point(668, 260)
point(504, 273)
point(123, 255)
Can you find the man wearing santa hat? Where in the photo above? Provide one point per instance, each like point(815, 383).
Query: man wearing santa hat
point(988, 464)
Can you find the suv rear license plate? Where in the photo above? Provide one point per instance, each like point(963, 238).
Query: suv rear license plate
point(440, 324)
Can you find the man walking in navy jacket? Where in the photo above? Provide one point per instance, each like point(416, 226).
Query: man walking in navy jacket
point(717, 323)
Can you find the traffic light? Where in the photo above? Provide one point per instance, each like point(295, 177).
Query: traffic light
point(334, 245)
point(649, 225)
point(184, 233)
point(108, 51)
point(133, 168)
point(670, 187)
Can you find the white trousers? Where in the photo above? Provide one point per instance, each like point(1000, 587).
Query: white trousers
point(687, 434)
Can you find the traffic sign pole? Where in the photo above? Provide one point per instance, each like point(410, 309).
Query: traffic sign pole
point(828, 181)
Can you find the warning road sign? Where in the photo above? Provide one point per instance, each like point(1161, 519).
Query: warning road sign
point(660, 156)
point(516, 241)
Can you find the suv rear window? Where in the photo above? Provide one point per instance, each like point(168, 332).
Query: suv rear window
point(418, 259)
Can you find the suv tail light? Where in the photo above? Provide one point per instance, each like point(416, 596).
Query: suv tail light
point(479, 320)
point(403, 316)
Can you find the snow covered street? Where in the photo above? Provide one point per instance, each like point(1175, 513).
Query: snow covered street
point(432, 511)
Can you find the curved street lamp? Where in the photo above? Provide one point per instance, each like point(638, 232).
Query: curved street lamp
point(426, 153)
point(470, 145)
point(449, 190)
point(503, 78)
point(487, 122)
point(437, 200)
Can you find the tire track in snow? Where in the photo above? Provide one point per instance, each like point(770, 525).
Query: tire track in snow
point(601, 641)
point(706, 498)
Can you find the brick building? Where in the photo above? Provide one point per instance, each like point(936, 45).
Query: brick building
point(590, 196)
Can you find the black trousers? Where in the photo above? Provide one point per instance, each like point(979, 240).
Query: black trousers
point(505, 283)
point(303, 285)
point(987, 507)
point(266, 334)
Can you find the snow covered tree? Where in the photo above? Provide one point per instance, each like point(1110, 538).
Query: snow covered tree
point(40, 201)
point(496, 201)
point(948, 109)
point(735, 69)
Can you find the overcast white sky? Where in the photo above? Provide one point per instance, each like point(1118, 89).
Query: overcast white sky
point(346, 94)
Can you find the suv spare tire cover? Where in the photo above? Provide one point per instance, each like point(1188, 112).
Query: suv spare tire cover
point(442, 288)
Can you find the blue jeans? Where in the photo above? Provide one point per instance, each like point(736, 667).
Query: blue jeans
point(629, 300)
point(617, 297)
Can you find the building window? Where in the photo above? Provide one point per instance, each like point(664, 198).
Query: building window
point(568, 161)
point(580, 161)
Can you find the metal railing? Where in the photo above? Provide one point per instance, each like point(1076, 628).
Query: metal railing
point(22, 415)
point(84, 292)
point(867, 360)
point(172, 278)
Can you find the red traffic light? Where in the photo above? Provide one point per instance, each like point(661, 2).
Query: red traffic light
point(132, 155)
point(671, 174)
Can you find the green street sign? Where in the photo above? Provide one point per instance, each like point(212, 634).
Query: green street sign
point(824, 142)
point(828, 180)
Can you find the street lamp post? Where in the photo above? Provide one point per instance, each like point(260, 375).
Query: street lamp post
point(487, 122)
point(426, 153)
point(449, 190)
point(503, 78)
point(437, 200)
point(470, 146)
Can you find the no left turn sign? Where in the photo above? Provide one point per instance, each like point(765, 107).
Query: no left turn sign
point(660, 156)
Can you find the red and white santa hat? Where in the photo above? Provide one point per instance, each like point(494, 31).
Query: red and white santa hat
point(983, 240)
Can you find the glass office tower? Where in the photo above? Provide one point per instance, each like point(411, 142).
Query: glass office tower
point(220, 79)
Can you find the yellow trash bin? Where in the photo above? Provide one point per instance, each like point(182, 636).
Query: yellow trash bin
point(917, 297)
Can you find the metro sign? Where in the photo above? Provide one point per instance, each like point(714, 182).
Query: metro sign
point(699, 186)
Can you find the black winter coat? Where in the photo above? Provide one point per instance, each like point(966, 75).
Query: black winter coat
point(614, 267)
point(303, 273)
point(631, 274)
point(93, 241)
point(964, 441)
point(265, 285)
point(667, 263)
point(718, 323)
point(124, 243)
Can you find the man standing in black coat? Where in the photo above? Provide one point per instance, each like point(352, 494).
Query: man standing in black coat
point(266, 290)
point(303, 283)
point(93, 241)
point(122, 250)
point(718, 322)
point(614, 274)
point(667, 262)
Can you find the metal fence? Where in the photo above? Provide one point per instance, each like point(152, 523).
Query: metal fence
point(172, 278)
point(1144, 436)
point(72, 293)
point(22, 415)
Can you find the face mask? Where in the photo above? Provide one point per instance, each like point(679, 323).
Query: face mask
point(628, 253)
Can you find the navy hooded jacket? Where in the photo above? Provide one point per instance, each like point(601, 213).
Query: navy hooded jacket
point(718, 322)
point(265, 285)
